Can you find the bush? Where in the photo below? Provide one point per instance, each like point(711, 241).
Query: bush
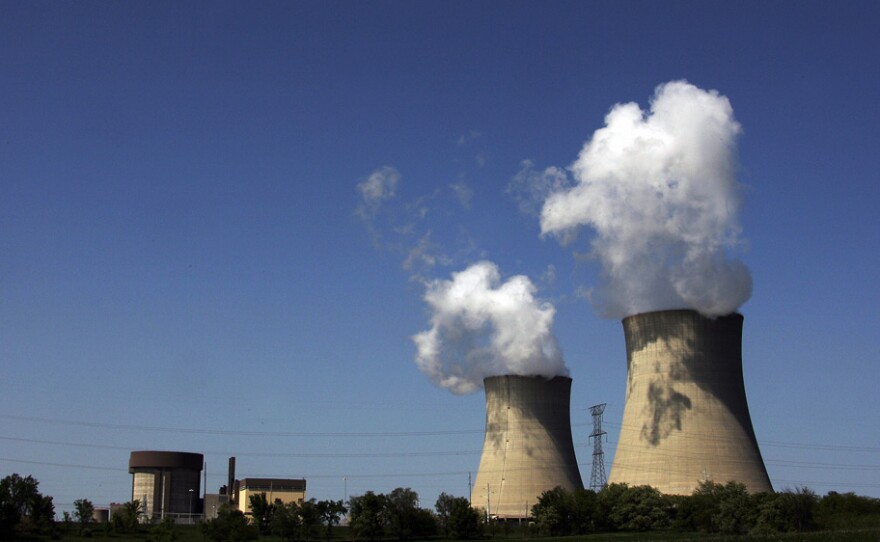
point(465, 522)
point(846, 510)
point(229, 526)
point(638, 508)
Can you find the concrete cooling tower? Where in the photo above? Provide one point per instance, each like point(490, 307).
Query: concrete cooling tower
point(686, 418)
point(528, 447)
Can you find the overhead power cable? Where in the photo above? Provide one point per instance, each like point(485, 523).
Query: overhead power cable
point(259, 454)
point(226, 432)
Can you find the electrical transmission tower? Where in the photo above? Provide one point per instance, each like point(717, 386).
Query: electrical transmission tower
point(598, 480)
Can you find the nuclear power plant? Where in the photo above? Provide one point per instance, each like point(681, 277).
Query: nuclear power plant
point(528, 447)
point(686, 418)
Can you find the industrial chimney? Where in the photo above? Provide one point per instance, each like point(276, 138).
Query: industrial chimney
point(686, 418)
point(528, 447)
point(233, 495)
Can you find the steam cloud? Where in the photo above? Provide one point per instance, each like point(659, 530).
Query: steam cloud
point(659, 189)
point(481, 327)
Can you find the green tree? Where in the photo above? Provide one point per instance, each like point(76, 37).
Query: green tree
point(331, 513)
point(287, 521)
point(443, 506)
point(261, 511)
point(799, 506)
point(164, 531)
point(24, 512)
point(400, 507)
point(404, 517)
point(736, 511)
point(229, 526)
point(84, 510)
point(583, 511)
point(66, 520)
point(637, 508)
point(718, 508)
point(465, 521)
point(553, 512)
point(127, 518)
point(367, 514)
point(310, 518)
point(787, 512)
point(838, 510)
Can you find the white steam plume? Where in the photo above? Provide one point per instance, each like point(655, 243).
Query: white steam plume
point(659, 189)
point(481, 327)
point(380, 186)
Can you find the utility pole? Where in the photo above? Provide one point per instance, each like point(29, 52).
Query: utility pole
point(488, 503)
point(598, 480)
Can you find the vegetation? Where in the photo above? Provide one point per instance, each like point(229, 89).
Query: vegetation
point(331, 513)
point(127, 519)
point(292, 521)
point(230, 526)
point(465, 522)
point(84, 510)
point(713, 508)
point(24, 512)
point(618, 512)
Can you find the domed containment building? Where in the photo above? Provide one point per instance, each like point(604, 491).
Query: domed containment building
point(686, 417)
point(166, 483)
point(528, 448)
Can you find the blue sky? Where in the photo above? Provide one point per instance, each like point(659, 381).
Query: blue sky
point(184, 266)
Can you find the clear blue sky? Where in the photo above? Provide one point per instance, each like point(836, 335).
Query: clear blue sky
point(183, 265)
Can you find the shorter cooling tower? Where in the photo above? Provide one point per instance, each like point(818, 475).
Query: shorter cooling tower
point(686, 418)
point(528, 448)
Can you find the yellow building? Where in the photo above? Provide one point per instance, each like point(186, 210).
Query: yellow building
point(282, 489)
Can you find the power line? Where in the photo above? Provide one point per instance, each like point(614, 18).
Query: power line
point(260, 454)
point(225, 432)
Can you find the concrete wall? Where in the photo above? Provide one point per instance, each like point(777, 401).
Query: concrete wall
point(528, 447)
point(686, 417)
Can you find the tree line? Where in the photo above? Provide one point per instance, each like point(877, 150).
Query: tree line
point(712, 508)
point(371, 516)
point(27, 514)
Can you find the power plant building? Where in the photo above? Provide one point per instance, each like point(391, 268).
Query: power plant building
point(166, 483)
point(686, 418)
point(528, 447)
point(283, 489)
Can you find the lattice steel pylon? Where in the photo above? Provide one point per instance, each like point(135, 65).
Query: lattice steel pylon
point(598, 480)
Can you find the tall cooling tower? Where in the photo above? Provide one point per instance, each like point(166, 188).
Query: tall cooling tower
point(528, 447)
point(686, 417)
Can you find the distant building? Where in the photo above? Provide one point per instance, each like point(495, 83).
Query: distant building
point(167, 484)
point(213, 502)
point(116, 508)
point(285, 490)
point(101, 515)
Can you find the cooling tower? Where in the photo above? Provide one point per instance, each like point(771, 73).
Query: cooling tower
point(686, 418)
point(528, 447)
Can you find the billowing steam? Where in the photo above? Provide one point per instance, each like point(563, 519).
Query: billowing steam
point(481, 327)
point(659, 189)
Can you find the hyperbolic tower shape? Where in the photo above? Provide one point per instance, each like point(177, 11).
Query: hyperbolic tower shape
point(528, 447)
point(686, 418)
